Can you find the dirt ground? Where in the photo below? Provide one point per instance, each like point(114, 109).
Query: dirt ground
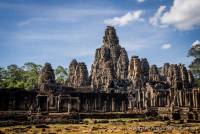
point(105, 127)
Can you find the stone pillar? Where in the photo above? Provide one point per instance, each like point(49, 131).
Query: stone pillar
point(47, 103)
point(168, 100)
point(185, 99)
point(78, 103)
point(155, 100)
point(86, 104)
point(151, 101)
point(196, 101)
point(105, 106)
point(69, 106)
point(143, 99)
point(129, 104)
point(14, 103)
point(113, 105)
point(180, 98)
point(99, 102)
point(95, 104)
point(158, 101)
point(58, 103)
point(176, 99)
point(10, 105)
point(139, 99)
point(123, 106)
point(198, 116)
point(193, 99)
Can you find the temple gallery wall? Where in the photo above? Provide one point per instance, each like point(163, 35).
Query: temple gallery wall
point(115, 84)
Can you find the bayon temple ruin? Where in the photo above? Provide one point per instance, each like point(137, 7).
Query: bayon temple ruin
point(115, 83)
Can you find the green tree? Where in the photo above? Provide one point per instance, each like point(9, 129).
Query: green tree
point(61, 74)
point(20, 77)
point(194, 52)
point(31, 75)
point(2, 77)
point(14, 77)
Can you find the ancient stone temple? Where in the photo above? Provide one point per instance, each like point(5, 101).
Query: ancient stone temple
point(111, 62)
point(135, 74)
point(46, 79)
point(78, 74)
point(115, 84)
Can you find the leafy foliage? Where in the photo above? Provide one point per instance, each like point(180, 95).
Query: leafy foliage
point(31, 74)
point(13, 77)
point(19, 77)
point(195, 67)
point(194, 52)
point(26, 77)
point(61, 74)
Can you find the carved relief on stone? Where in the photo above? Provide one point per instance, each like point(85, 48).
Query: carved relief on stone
point(184, 76)
point(145, 70)
point(190, 78)
point(154, 74)
point(178, 76)
point(111, 62)
point(174, 76)
point(135, 73)
point(78, 74)
point(122, 65)
point(46, 80)
point(164, 71)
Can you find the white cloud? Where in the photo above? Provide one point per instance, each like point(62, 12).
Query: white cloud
point(196, 43)
point(140, 1)
point(166, 46)
point(183, 14)
point(125, 19)
point(155, 19)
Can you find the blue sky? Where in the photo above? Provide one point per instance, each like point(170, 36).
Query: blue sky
point(57, 31)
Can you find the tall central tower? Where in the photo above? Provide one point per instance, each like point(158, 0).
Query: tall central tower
point(111, 62)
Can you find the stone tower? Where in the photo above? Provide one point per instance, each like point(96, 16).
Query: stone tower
point(46, 80)
point(111, 62)
point(154, 73)
point(78, 74)
point(135, 72)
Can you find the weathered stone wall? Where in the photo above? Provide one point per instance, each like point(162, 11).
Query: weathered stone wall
point(78, 74)
point(17, 100)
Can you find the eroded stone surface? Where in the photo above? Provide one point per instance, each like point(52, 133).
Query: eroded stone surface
point(191, 78)
point(154, 74)
point(122, 65)
point(47, 78)
point(145, 70)
point(111, 62)
point(78, 74)
point(135, 72)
